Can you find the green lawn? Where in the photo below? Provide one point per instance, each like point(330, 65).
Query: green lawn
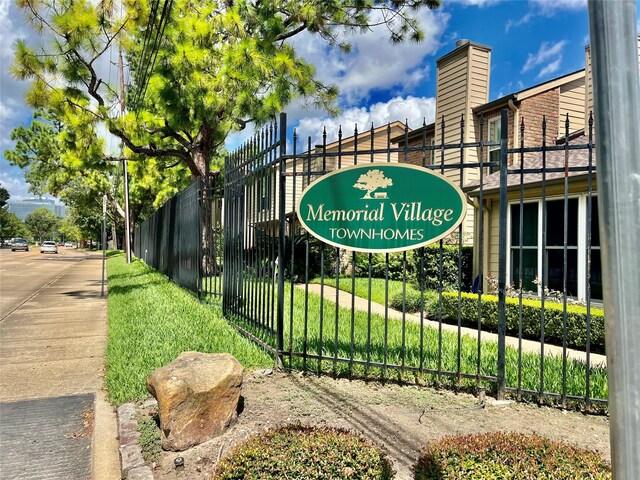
point(362, 287)
point(355, 335)
point(152, 320)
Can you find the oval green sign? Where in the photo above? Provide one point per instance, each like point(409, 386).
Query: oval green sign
point(381, 207)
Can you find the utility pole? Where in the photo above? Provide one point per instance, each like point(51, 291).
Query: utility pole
point(127, 232)
point(616, 83)
point(104, 239)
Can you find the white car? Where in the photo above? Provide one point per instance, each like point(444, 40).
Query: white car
point(48, 247)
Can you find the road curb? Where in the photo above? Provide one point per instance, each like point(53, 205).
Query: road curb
point(131, 461)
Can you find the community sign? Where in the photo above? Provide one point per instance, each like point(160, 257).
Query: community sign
point(381, 207)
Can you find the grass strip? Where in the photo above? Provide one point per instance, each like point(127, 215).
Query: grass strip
point(152, 320)
point(362, 287)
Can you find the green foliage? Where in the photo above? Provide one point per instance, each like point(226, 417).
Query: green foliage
point(421, 267)
point(428, 277)
point(317, 251)
point(43, 224)
point(151, 321)
point(414, 301)
point(4, 197)
point(218, 66)
point(531, 314)
point(149, 441)
point(70, 229)
point(508, 456)
point(305, 453)
point(10, 225)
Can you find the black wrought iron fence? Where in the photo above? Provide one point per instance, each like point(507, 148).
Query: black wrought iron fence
point(509, 301)
point(429, 313)
point(183, 238)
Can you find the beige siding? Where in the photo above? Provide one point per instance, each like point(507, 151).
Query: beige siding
point(493, 240)
point(572, 102)
point(588, 86)
point(462, 84)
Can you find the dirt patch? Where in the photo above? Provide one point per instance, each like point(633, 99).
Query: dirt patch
point(401, 419)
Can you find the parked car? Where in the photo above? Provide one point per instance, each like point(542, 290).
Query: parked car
point(69, 244)
point(48, 247)
point(19, 244)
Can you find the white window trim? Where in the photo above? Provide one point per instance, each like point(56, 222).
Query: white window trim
point(582, 239)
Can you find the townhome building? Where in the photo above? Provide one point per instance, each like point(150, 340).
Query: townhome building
point(563, 193)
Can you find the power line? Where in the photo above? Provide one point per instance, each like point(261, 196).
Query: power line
point(151, 48)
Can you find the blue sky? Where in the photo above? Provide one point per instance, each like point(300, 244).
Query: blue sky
point(532, 41)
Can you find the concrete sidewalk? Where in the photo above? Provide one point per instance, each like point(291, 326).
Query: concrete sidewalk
point(51, 366)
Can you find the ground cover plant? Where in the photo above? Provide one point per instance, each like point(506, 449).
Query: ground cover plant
point(152, 320)
point(149, 440)
point(305, 453)
point(508, 456)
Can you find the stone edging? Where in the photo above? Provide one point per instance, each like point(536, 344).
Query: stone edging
point(131, 461)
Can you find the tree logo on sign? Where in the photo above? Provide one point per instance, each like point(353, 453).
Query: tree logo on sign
point(371, 181)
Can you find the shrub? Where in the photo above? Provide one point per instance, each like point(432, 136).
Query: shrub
point(413, 301)
point(428, 278)
point(319, 253)
point(379, 266)
point(422, 267)
point(508, 456)
point(301, 452)
point(553, 323)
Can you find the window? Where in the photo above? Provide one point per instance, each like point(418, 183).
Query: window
point(529, 244)
point(494, 136)
point(554, 249)
point(529, 250)
point(595, 280)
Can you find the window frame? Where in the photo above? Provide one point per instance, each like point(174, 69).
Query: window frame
point(493, 148)
point(541, 249)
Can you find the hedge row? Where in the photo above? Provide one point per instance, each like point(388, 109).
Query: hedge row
point(531, 308)
point(422, 267)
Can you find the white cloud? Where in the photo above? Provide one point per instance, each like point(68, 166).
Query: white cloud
point(545, 8)
point(414, 110)
point(550, 68)
point(547, 51)
point(476, 3)
point(510, 87)
point(551, 7)
point(11, 178)
point(516, 23)
point(375, 63)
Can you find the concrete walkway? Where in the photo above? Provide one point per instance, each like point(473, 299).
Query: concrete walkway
point(531, 346)
point(51, 377)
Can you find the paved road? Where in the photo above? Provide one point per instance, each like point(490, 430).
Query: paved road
point(52, 338)
point(22, 274)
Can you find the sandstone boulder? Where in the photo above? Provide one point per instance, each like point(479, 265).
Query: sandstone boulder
point(197, 396)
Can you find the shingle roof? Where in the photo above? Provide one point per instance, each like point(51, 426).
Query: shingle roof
point(555, 160)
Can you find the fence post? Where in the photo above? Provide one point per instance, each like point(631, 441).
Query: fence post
point(201, 234)
point(281, 240)
point(502, 249)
